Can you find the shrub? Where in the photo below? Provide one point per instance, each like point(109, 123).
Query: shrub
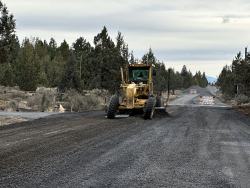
point(18, 94)
point(45, 103)
point(74, 100)
point(34, 100)
point(242, 99)
point(13, 105)
point(227, 97)
point(79, 102)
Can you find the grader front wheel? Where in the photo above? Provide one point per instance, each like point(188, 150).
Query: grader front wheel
point(149, 108)
point(113, 105)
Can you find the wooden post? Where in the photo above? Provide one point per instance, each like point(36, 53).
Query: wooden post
point(245, 53)
point(80, 67)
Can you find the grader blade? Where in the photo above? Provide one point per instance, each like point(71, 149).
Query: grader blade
point(122, 115)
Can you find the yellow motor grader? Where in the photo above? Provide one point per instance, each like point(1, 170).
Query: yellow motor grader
point(137, 86)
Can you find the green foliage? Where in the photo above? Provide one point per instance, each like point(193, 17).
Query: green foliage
point(82, 67)
point(237, 73)
point(104, 62)
point(242, 99)
point(52, 48)
point(40, 48)
point(226, 82)
point(45, 103)
point(184, 71)
point(188, 80)
point(149, 57)
point(28, 68)
point(55, 69)
point(160, 80)
point(6, 75)
point(15, 52)
point(200, 80)
point(64, 49)
point(81, 48)
point(7, 34)
point(43, 81)
point(70, 78)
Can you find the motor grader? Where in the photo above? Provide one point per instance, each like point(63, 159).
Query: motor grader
point(137, 85)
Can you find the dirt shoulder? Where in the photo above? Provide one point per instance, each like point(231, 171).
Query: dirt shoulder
point(243, 108)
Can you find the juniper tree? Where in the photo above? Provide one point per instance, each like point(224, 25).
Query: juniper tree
point(28, 70)
point(7, 33)
point(65, 51)
point(70, 78)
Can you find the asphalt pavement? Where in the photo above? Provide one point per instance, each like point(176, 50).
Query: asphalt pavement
point(197, 146)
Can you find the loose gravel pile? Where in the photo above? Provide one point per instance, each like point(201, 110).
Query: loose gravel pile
point(198, 88)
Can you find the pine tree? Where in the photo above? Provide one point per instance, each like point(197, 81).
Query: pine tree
point(149, 58)
point(52, 48)
point(55, 69)
point(28, 67)
point(204, 81)
point(6, 75)
point(132, 59)
point(226, 83)
point(161, 78)
point(104, 64)
point(184, 71)
point(64, 49)
point(7, 34)
point(81, 48)
point(40, 48)
point(70, 78)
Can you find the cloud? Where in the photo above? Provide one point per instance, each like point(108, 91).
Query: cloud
point(176, 30)
point(225, 20)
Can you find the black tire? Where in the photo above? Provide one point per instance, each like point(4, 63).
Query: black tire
point(149, 108)
point(112, 107)
point(159, 101)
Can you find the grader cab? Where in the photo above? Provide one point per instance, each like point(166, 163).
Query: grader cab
point(137, 86)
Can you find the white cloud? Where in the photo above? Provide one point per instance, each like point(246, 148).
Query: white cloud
point(176, 30)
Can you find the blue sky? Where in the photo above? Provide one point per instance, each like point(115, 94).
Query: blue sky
point(203, 35)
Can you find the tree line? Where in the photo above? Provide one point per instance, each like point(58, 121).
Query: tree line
point(234, 79)
point(36, 62)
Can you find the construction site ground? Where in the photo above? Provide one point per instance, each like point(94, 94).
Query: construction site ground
point(190, 146)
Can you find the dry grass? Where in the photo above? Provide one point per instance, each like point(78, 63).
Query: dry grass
point(34, 100)
point(18, 94)
point(10, 120)
point(10, 106)
point(80, 102)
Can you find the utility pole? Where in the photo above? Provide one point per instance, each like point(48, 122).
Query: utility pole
point(245, 53)
point(168, 85)
point(80, 67)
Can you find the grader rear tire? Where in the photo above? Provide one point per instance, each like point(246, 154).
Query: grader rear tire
point(149, 108)
point(159, 101)
point(112, 107)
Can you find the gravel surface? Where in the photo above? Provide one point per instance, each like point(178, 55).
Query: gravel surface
point(198, 88)
point(195, 147)
point(27, 115)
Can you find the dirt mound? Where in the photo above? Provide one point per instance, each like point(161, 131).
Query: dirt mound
point(198, 88)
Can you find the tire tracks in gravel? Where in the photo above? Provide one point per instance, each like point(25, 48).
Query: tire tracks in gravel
point(196, 147)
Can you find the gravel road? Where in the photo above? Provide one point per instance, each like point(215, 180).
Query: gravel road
point(27, 115)
point(197, 146)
